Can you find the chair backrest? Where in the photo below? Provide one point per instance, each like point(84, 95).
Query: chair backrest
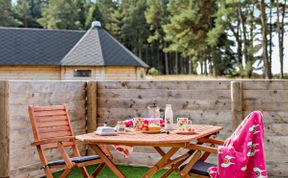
point(50, 122)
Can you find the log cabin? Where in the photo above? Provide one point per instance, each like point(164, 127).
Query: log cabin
point(41, 54)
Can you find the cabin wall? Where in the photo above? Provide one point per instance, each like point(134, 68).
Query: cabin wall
point(29, 73)
point(120, 73)
point(67, 73)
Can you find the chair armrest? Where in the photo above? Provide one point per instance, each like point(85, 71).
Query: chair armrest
point(211, 140)
point(53, 140)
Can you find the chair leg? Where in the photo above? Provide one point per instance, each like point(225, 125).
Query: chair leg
point(84, 172)
point(98, 170)
point(48, 172)
point(65, 173)
point(174, 167)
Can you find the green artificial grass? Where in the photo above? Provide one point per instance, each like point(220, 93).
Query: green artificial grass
point(128, 171)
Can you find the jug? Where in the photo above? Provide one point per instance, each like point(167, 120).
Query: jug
point(154, 111)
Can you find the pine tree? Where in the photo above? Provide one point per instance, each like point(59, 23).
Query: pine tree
point(6, 16)
point(93, 14)
point(28, 11)
point(61, 14)
point(157, 16)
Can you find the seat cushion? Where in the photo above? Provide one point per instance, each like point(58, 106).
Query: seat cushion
point(200, 168)
point(75, 160)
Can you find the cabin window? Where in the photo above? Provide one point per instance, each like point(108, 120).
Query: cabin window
point(82, 73)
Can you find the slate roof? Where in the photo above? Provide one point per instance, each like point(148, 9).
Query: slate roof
point(98, 48)
point(41, 47)
point(23, 46)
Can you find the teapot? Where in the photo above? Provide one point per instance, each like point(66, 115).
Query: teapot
point(154, 111)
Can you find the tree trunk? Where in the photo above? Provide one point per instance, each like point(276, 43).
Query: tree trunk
point(201, 67)
point(267, 64)
point(242, 19)
point(270, 31)
point(176, 62)
point(190, 65)
point(280, 31)
point(282, 36)
point(166, 61)
point(251, 44)
point(205, 67)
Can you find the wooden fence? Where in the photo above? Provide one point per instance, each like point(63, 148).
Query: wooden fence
point(221, 102)
point(17, 157)
point(224, 103)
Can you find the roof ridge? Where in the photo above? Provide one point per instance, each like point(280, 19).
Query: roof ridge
point(126, 49)
point(40, 29)
point(74, 47)
point(99, 41)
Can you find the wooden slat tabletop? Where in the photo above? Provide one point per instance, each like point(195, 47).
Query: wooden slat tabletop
point(138, 138)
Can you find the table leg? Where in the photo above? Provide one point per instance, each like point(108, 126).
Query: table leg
point(107, 161)
point(195, 157)
point(161, 162)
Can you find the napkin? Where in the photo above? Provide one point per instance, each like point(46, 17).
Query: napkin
point(123, 149)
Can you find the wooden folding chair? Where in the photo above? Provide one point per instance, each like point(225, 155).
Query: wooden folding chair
point(52, 129)
point(197, 167)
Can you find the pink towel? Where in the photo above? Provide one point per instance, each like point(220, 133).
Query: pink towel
point(242, 154)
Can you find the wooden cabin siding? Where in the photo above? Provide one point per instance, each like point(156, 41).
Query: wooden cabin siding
point(67, 73)
point(29, 73)
point(121, 73)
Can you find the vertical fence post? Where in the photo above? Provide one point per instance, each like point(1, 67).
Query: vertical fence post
point(91, 106)
point(4, 137)
point(236, 103)
point(91, 109)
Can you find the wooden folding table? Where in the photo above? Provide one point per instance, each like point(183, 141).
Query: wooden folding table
point(173, 140)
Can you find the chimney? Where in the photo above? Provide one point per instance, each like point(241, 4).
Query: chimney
point(96, 24)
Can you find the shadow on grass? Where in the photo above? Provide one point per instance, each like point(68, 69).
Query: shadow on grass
point(130, 172)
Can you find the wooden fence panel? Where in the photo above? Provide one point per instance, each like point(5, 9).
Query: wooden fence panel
point(216, 102)
point(224, 103)
point(271, 97)
point(23, 158)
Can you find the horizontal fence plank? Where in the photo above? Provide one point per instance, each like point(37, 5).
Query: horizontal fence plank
point(266, 95)
point(35, 98)
point(28, 87)
point(252, 105)
point(167, 85)
point(273, 152)
point(176, 103)
point(265, 85)
point(76, 107)
point(277, 169)
point(159, 94)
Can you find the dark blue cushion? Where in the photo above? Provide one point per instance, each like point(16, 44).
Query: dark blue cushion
point(200, 168)
point(75, 160)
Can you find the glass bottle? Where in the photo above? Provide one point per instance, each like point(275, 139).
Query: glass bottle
point(168, 117)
